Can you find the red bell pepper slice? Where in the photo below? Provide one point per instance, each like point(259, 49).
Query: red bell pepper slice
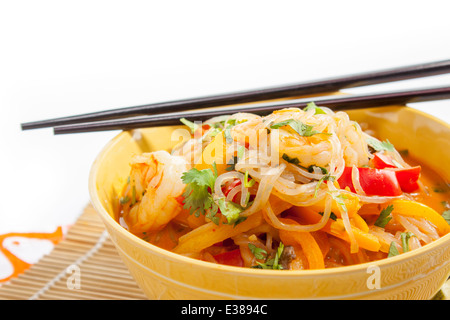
point(381, 161)
point(230, 258)
point(374, 182)
point(407, 178)
point(226, 190)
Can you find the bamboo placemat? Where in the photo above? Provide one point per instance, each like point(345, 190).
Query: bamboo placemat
point(90, 256)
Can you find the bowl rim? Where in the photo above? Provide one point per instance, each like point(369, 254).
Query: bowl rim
point(107, 219)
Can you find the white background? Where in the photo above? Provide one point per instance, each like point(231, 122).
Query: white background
point(61, 58)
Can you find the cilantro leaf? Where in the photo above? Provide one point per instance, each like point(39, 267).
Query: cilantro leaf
point(191, 125)
point(313, 106)
point(257, 252)
point(311, 169)
point(393, 251)
point(332, 215)
point(247, 183)
point(405, 236)
point(197, 195)
point(296, 162)
point(230, 210)
point(339, 199)
point(133, 195)
point(278, 256)
point(384, 216)
point(240, 152)
point(302, 129)
point(405, 240)
point(231, 164)
point(290, 160)
point(124, 200)
point(327, 177)
point(228, 137)
point(446, 216)
point(270, 262)
point(380, 145)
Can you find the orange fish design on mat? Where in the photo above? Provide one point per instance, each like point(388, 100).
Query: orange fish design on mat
point(20, 265)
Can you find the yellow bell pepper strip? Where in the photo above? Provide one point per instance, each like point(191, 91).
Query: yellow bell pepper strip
point(365, 240)
point(336, 228)
point(409, 208)
point(351, 203)
point(214, 152)
point(210, 233)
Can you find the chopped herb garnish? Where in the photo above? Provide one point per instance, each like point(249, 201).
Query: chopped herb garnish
point(124, 200)
point(230, 210)
point(213, 132)
point(278, 256)
point(197, 194)
point(384, 216)
point(269, 263)
point(313, 106)
point(393, 251)
point(327, 177)
point(446, 216)
point(339, 199)
point(332, 215)
point(302, 129)
point(290, 160)
point(133, 195)
point(257, 252)
point(227, 132)
point(295, 161)
point(405, 236)
point(231, 164)
point(240, 152)
point(228, 137)
point(230, 123)
point(191, 125)
point(311, 169)
point(380, 145)
point(239, 220)
point(248, 184)
point(441, 188)
point(212, 215)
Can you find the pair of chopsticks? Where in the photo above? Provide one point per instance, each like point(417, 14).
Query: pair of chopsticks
point(169, 113)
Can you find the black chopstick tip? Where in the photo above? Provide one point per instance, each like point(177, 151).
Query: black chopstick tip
point(32, 125)
point(25, 126)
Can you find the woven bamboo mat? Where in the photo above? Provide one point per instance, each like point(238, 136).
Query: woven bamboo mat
point(83, 266)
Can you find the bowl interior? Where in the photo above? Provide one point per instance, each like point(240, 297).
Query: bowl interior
point(427, 139)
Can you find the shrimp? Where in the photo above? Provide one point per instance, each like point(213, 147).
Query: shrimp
point(309, 151)
point(152, 191)
point(352, 140)
point(249, 132)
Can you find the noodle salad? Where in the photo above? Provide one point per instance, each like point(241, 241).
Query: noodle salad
point(296, 189)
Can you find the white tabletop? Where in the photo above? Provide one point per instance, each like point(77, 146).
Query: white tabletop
point(60, 58)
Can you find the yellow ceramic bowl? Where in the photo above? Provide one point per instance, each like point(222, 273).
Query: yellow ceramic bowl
point(165, 275)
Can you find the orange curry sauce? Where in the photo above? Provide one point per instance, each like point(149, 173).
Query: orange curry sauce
point(19, 266)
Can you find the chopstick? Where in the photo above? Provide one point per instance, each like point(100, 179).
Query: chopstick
point(336, 103)
point(292, 90)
